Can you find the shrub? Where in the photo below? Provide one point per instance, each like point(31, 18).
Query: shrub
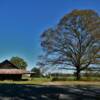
point(58, 79)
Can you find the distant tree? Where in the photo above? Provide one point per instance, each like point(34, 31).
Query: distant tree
point(88, 72)
point(73, 42)
point(19, 62)
point(37, 71)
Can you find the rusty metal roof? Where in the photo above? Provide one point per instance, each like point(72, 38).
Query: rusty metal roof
point(12, 71)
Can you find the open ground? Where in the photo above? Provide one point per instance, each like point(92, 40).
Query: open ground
point(68, 90)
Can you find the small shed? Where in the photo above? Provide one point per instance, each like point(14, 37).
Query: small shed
point(9, 71)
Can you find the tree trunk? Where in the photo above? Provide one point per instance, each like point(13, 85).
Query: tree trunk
point(78, 76)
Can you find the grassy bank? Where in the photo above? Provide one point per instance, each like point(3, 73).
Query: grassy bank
point(32, 81)
point(47, 81)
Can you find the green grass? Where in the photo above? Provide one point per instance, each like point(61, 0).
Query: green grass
point(68, 81)
point(90, 78)
point(41, 80)
point(32, 81)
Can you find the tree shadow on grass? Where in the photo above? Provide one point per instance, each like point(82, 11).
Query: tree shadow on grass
point(40, 92)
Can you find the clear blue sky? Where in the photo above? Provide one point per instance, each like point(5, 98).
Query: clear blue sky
point(22, 22)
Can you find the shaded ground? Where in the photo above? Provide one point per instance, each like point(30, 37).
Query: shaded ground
point(39, 92)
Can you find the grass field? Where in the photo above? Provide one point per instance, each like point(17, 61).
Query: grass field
point(33, 81)
point(47, 81)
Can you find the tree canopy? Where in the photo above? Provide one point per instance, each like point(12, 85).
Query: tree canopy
point(74, 41)
point(37, 71)
point(19, 62)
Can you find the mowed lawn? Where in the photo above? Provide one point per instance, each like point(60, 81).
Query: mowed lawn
point(44, 89)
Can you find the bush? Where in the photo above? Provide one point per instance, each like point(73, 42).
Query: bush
point(58, 79)
point(90, 78)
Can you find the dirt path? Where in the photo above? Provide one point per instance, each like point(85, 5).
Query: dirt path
point(73, 83)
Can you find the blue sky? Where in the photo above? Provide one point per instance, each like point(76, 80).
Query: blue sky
point(22, 22)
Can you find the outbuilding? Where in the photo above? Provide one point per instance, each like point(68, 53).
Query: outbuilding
point(9, 71)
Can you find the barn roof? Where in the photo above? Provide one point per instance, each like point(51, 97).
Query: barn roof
point(12, 71)
point(6, 67)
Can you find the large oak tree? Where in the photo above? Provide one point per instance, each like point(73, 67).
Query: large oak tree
point(74, 41)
